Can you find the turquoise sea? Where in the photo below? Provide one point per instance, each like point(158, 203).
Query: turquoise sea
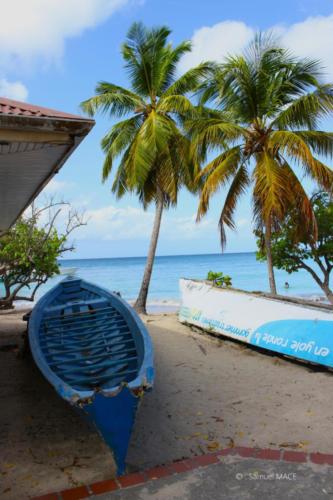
point(124, 274)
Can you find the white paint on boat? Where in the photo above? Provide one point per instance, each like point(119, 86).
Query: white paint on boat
point(293, 328)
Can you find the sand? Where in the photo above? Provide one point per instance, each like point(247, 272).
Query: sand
point(208, 394)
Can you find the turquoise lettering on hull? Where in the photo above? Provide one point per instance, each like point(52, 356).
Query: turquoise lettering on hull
point(311, 340)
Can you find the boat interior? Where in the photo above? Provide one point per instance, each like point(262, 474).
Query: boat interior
point(87, 340)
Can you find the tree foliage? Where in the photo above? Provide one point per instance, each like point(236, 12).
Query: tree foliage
point(219, 279)
point(294, 248)
point(30, 249)
point(266, 133)
point(149, 141)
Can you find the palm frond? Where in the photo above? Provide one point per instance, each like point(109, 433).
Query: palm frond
point(177, 104)
point(209, 130)
point(215, 130)
point(306, 110)
point(168, 65)
point(120, 184)
point(211, 88)
point(142, 52)
point(271, 189)
point(117, 140)
point(216, 175)
point(239, 91)
point(320, 142)
point(113, 99)
point(190, 80)
point(292, 144)
point(238, 187)
point(300, 201)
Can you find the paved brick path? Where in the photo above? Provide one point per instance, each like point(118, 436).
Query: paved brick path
point(258, 459)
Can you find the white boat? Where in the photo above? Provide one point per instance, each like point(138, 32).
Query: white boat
point(292, 327)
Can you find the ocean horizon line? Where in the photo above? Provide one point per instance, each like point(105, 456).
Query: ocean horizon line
point(159, 256)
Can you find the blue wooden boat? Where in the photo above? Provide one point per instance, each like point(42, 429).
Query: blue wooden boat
point(95, 351)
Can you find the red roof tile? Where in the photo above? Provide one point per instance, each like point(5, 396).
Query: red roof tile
point(17, 108)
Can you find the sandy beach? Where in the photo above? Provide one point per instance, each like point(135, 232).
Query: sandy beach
point(209, 394)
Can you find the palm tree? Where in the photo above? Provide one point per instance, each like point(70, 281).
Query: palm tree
point(269, 106)
point(153, 151)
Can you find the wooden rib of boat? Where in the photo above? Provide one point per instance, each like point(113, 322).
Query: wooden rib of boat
point(95, 351)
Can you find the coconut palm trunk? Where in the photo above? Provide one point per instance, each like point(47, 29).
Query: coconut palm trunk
point(268, 246)
point(141, 301)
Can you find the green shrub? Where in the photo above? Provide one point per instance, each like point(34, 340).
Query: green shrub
point(219, 279)
point(30, 249)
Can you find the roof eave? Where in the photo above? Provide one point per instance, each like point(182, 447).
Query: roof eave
point(75, 126)
point(76, 129)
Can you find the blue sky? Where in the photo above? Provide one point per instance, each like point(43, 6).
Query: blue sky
point(53, 53)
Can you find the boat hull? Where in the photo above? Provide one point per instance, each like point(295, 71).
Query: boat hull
point(96, 352)
point(113, 418)
point(289, 327)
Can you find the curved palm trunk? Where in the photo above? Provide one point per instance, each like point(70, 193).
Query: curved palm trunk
point(141, 301)
point(268, 246)
point(323, 283)
point(328, 292)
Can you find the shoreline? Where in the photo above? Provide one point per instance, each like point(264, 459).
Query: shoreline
point(153, 307)
point(159, 306)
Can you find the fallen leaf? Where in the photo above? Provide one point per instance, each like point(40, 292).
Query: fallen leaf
point(218, 419)
point(202, 349)
point(213, 446)
point(289, 445)
point(231, 443)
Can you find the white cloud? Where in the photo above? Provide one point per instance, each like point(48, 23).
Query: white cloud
point(243, 222)
point(130, 223)
point(35, 31)
point(13, 90)
point(176, 227)
point(312, 37)
point(38, 29)
point(112, 223)
point(215, 42)
point(56, 187)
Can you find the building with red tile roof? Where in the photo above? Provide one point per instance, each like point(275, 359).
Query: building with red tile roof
point(18, 108)
point(35, 142)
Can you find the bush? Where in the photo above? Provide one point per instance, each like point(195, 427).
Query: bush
point(219, 279)
point(30, 249)
point(294, 248)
